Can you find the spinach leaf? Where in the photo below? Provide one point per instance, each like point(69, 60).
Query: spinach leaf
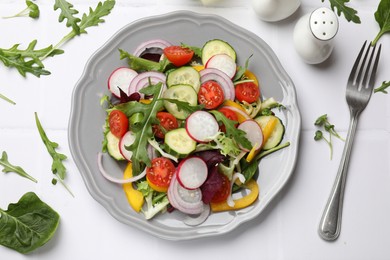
point(382, 16)
point(28, 224)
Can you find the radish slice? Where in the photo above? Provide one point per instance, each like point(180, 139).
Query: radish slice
point(196, 221)
point(120, 79)
point(224, 63)
point(157, 43)
point(253, 133)
point(127, 139)
point(220, 77)
point(113, 179)
point(144, 79)
point(184, 200)
point(201, 126)
point(192, 172)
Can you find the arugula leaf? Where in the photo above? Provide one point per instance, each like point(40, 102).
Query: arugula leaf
point(197, 51)
point(8, 167)
point(57, 166)
point(93, 18)
point(382, 16)
point(28, 60)
point(231, 131)
point(383, 87)
point(339, 6)
point(182, 105)
point(241, 70)
point(32, 10)
point(140, 64)
point(143, 130)
point(27, 224)
point(7, 99)
point(68, 12)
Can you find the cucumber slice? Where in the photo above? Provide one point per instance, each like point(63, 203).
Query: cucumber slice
point(277, 133)
point(113, 146)
point(217, 46)
point(184, 75)
point(179, 143)
point(181, 92)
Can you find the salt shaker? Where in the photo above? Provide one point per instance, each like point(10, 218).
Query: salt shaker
point(314, 33)
point(275, 10)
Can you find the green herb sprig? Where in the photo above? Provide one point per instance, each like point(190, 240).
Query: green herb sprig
point(339, 6)
point(7, 99)
point(32, 10)
point(383, 87)
point(323, 122)
point(8, 167)
point(30, 60)
point(57, 166)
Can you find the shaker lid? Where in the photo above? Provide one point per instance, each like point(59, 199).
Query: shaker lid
point(324, 23)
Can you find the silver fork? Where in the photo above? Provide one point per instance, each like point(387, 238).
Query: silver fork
point(359, 89)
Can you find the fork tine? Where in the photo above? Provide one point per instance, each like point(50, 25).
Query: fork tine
point(368, 68)
point(362, 66)
point(372, 78)
point(356, 64)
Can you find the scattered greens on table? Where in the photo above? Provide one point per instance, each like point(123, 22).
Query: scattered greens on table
point(339, 6)
point(8, 167)
point(382, 16)
point(57, 166)
point(383, 87)
point(29, 60)
point(27, 224)
point(323, 122)
point(32, 10)
point(7, 99)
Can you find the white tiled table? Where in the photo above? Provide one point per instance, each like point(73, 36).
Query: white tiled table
point(288, 227)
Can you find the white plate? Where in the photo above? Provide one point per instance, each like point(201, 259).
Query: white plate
point(87, 118)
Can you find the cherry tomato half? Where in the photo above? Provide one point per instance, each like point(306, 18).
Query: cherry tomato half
point(159, 174)
point(210, 94)
point(230, 114)
point(167, 122)
point(247, 91)
point(223, 193)
point(118, 122)
point(178, 55)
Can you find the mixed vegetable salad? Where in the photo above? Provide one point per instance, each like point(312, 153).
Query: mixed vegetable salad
point(191, 125)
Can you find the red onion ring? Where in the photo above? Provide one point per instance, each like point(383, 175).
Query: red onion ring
point(220, 77)
point(157, 43)
point(113, 179)
point(142, 80)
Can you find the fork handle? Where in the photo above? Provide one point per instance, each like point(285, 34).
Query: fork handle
point(330, 224)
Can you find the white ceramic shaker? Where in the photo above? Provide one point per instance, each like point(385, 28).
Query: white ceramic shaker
point(275, 10)
point(314, 33)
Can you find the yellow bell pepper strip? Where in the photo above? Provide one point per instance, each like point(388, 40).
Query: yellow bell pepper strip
point(134, 197)
point(241, 202)
point(237, 109)
point(249, 75)
point(267, 131)
point(198, 67)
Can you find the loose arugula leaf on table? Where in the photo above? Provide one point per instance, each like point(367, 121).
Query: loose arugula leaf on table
point(383, 87)
point(57, 166)
point(7, 99)
point(382, 16)
point(93, 18)
point(8, 167)
point(142, 130)
point(339, 6)
point(27, 224)
point(231, 131)
point(68, 12)
point(28, 60)
point(32, 10)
